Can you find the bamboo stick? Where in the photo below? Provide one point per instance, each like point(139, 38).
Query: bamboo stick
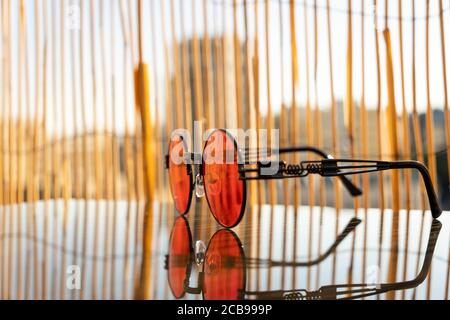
point(379, 135)
point(36, 185)
point(56, 156)
point(169, 103)
point(85, 159)
point(128, 160)
point(218, 75)
point(138, 167)
point(12, 198)
point(429, 122)
point(319, 137)
point(115, 151)
point(29, 199)
point(349, 117)
point(97, 159)
point(148, 148)
point(224, 63)
point(335, 139)
point(249, 108)
point(269, 126)
point(406, 149)
point(108, 153)
point(67, 178)
point(237, 66)
point(158, 139)
point(77, 162)
point(284, 132)
point(20, 141)
point(309, 141)
point(46, 159)
point(208, 69)
point(446, 113)
point(417, 130)
point(198, 100)
point(208, 78)
point(198, 88)
point(5, 155)
point(394, 151)
point(168, 87)
point(177, 70)
point(185, 66)
point(2, 155)
point(258, 125)
point(293, 137)
point(429, 114)
point(364, 142)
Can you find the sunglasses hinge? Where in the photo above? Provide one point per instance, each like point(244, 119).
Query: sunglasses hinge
point(273, 169)
point(329, 167)
point(166, 161)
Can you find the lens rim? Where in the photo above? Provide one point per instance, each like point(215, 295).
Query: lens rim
point(241, 294)
point(191, 181)
point(240, 167)
point(191, 256)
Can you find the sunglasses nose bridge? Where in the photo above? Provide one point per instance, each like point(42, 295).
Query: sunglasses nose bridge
point(200, 251)
point(199, 185)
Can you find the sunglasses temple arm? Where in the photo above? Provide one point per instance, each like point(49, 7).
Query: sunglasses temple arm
point(432, 198)
point(354, 222)
point(354, 190)
point(331, 169)
point(365, 290)
point(357, 291)
point(267, 295)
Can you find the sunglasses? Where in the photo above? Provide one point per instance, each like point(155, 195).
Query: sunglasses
point(223, 169)
point(220, 174)
point(222, 265)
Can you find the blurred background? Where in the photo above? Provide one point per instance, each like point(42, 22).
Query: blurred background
point(91, 91)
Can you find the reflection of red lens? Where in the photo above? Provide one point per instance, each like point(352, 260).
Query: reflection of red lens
point(180, 180)
point(224, 190)
point(180, 254)
point(224, 269)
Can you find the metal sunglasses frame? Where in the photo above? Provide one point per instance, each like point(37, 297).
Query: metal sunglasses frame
point(195, 167)
point(327, 167)
point(357, 291)
point(345, 167)
point(251, 262)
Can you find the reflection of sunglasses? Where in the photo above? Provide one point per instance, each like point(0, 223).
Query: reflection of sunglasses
point(223, 266)
point(357, 291)
point(222, 274)
point(222, 175)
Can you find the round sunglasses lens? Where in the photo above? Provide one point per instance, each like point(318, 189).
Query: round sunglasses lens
point(179, 179)
point(224, 277)
point(223, 188)
point(179, 258)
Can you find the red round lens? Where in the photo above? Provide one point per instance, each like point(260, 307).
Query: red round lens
point(180, 255)
point(224, 190)
point(224, 269)
point(179, 179)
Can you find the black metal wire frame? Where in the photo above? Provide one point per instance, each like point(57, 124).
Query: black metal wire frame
point(193, 158)
point(339, 168)
point(357, 291)
point(257, 263)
